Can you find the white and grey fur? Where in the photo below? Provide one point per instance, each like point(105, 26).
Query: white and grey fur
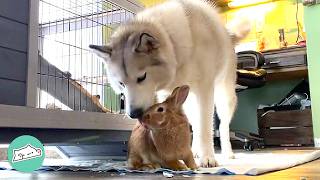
point(179, 42)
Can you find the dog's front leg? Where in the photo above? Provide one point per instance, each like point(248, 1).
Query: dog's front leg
point(200, 113)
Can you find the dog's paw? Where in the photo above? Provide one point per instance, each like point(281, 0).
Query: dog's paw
point(229, 155)
point(204, 156)
point(207, 162)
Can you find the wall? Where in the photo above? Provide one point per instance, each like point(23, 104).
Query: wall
point(13, 51)
point(266, 19)
point(149, 3)
point(312, 15)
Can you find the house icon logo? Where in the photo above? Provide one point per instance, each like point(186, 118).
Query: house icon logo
point(26, 153)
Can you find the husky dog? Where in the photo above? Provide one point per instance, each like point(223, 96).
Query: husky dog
point(179, 42)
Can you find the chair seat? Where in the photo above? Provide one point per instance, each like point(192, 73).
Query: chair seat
point(252, 74)
point(249, 73)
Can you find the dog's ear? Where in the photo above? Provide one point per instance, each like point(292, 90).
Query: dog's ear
point(101, 51)
point(146, 43)
point(179, 96)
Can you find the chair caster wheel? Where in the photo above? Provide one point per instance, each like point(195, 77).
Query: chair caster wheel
point(248, 147)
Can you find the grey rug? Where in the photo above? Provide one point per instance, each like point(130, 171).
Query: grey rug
point(244, 163)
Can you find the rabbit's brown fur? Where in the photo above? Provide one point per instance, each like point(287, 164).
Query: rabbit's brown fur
point(162, 137)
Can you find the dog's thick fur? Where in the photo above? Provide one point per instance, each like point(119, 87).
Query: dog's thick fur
point(176, 43)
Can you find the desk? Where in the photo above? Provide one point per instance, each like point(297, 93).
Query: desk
point(287, 73)
point(285, 64)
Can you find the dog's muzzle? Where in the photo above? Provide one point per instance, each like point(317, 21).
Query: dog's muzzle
point(136, 113)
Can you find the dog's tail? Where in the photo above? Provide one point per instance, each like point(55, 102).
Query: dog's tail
point(239, 29)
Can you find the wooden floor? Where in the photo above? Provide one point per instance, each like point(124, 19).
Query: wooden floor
point(303, 172)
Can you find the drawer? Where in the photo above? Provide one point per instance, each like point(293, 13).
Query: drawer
point(286, 128)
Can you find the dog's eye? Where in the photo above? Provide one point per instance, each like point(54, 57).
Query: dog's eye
point(121, 84)
point(142, 78)
point(160, 109)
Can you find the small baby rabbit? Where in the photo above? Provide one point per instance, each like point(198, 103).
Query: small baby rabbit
point(162, 137)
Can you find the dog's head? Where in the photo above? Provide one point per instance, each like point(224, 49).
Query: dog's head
point(137, 65)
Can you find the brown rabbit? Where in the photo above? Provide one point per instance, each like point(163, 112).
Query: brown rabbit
point(162, 137)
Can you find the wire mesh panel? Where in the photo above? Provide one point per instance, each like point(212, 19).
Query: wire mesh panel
point(70, 77)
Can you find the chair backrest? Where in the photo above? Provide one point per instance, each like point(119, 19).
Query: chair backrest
point(250, 60)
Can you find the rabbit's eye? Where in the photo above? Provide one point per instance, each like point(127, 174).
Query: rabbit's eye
point(160, 109)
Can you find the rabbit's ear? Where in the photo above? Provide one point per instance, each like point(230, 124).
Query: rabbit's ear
point(179, 95)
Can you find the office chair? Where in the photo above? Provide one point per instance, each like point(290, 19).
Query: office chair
point(249, 75)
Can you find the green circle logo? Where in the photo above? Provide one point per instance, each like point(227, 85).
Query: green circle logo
point(26, 153)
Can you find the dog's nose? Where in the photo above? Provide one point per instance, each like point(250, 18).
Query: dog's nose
point(136, 113)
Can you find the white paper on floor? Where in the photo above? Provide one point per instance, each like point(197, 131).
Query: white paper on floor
point(259, 163)
point(244, 163)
